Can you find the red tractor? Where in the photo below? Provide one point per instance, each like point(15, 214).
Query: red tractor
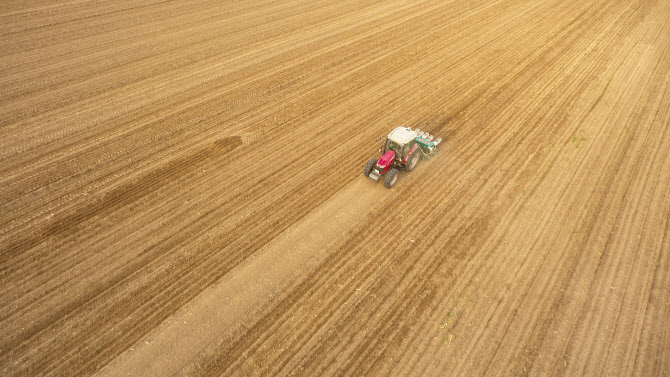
point(401, 151)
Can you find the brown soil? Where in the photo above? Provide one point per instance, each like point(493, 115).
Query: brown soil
point(181, 188)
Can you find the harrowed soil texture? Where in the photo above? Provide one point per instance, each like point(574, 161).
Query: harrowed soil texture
point(181, 188)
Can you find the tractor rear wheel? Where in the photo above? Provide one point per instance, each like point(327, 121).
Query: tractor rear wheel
point(413, 159)
point(368, 167)
point(391, 178)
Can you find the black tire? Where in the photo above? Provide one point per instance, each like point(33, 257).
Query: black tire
point(391, 178)
point(413, 160)
point(368, 167)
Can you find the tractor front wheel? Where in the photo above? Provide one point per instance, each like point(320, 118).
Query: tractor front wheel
point(368, 167)
point(391, 178)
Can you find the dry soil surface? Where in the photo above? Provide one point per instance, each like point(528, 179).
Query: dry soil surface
point(181, 188)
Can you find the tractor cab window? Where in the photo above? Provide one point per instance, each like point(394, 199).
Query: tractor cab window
point(405, 149)
point(392, 145)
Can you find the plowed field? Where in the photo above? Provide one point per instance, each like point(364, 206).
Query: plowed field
point(181, 188)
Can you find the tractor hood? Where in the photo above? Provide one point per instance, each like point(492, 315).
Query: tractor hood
point(386, 159)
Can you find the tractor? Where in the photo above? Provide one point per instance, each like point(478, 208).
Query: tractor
point(402, 150)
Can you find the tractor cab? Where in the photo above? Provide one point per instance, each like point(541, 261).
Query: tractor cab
point(391, 145)
point(400, 150)
point(401, 141)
